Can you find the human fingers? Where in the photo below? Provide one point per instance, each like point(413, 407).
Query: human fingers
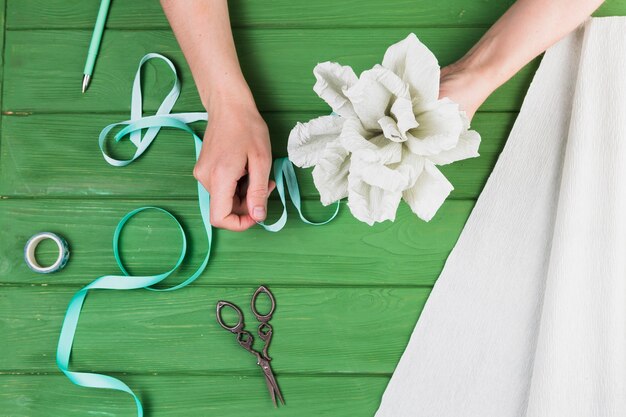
point(222, 188)
point(259, 165)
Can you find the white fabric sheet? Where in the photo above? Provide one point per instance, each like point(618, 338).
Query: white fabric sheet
point(528, 317)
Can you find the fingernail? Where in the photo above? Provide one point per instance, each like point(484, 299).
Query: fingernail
point(259, 212)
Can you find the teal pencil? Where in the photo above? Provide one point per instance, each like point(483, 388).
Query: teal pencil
point(94, 45)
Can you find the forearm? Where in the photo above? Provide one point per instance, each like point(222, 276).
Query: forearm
point(526, 30)
point(202, 29)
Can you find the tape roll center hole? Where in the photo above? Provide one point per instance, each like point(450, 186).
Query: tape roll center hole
point(46, 253)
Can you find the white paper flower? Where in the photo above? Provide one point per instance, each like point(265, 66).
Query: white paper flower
point(388, 132)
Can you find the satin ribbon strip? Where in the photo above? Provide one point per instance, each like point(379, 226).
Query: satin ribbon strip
point(285, 178)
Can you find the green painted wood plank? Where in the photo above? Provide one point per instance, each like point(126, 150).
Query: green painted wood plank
point(30, 14)
point(57, 155)
point(198, 396)
point(278, 64)
point(408, 251)
point(2, 35)
point(60, 14)
point(316, 330)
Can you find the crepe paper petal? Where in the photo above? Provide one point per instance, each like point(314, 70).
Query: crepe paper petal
point(367, 145)
point(387, 152)
point(308, 140)
point(428, 193)
point(330, 175)
point(465, 119)
point(439, 130)
point(374, 93)
point(355, 137)
point(467, 147)
point(416, 65)
point(378, 175)
point(332, 80)
point(410, 166)
point(396, 130)
point(439, 117)
point(371, 204)
point(391, 130)
point(402, 111)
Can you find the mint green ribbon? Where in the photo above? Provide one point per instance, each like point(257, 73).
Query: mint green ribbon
point(285, 178)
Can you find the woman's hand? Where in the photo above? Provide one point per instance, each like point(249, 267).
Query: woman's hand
point(234, 165)
point(236, 158)
point(468, 90)
point(527, 29)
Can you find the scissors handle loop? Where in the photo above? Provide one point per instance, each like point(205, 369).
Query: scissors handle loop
point(238, 327)
point(262, 318)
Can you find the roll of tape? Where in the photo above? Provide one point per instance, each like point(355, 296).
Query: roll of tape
point(33, 242)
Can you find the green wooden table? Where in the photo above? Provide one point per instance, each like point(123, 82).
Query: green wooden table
point(348, 294)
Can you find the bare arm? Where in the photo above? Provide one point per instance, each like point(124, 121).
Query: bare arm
point(526, 30)
point(235, 161)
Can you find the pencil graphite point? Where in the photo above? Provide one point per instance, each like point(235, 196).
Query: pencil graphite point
point(86, 80)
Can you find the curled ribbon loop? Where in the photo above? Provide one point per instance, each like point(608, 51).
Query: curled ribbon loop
point(284, 176)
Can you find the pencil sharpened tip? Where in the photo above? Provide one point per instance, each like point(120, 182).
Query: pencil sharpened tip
point(86, 80)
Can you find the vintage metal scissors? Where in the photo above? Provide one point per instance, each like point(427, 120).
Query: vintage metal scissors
point(245, 339)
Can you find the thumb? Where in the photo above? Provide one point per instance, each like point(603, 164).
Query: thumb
point(256, 195)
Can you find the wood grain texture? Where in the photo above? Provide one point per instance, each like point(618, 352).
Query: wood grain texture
point(348, 294)
point(3, 6)
point(197, 396)
point(343, 252)
point(61, 14)
point(316, 330)
point(278, 64)
point(56, 155)
point(2, 34)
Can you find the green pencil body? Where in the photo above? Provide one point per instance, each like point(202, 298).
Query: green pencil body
point(94, 45)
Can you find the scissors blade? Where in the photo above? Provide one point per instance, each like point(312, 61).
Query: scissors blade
point(272, 392)
point(272, 385)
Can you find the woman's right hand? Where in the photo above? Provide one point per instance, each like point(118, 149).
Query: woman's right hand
point(234, 165)
point(236, 158)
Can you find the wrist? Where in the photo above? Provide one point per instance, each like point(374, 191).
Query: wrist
point(489, 63)
point(228, 104)
point(226, 92)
